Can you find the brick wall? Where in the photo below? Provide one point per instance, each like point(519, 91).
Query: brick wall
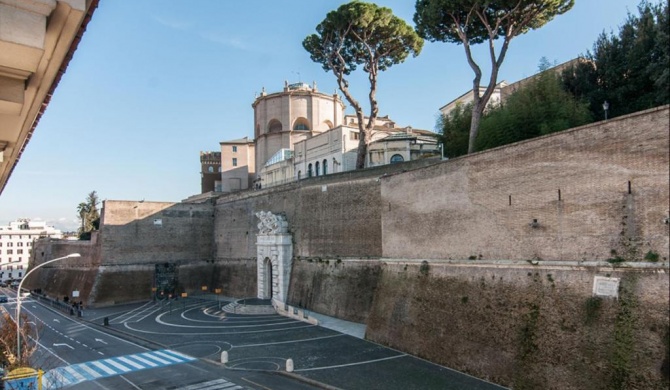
point(483, 205)
point(148, 232)
point(527, 326)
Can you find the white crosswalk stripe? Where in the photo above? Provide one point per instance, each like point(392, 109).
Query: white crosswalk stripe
point(217, 384)
point(82, 372)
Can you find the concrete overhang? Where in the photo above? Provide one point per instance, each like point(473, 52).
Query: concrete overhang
point(37, 41)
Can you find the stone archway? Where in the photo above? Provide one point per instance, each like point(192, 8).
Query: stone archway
point(267, 279)
point(274, 257)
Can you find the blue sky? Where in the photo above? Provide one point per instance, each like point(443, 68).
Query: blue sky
point(154, 82)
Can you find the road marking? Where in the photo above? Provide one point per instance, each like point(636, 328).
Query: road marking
point(71, 375)
point(217, 384)
point(61, 344)
point(130, 363)
point(118, 365)
point(74, 373)
point(104, 368)
point(148, 355)
point(90, 371)
point(142, 360)
point(351, 364)
point(101, 341)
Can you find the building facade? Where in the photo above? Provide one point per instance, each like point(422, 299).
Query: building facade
point(210, 171)
point(238, 166)
point(16, 243)
point(297, 113)
point(302, 133)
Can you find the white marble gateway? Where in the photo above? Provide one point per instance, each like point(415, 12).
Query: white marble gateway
point(274, 258)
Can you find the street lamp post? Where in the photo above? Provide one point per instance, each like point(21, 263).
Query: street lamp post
point(606, 106)
point(18, 300)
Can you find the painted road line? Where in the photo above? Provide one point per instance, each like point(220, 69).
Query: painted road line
point(118, 365)
point(92, 374)
point(179, 357)
point(217, 384)
point(130, 363)
point(82, 372)
point(77, 376)
point(143, 361)
point(104, 368)
point(150, 356)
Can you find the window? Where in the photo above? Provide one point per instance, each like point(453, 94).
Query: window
point(10, 244)
point(19, 251)
point(234, 161)
point(19, 244)
point(325, 166)
point(309, 170)
point(274, 126)
point(234, 149)
point(353, 136)
point(396, 158)
point(299, 174)
point(301, 124)
point(210, 169)
point(29, 244)
point(317, 168)
point(10, 252)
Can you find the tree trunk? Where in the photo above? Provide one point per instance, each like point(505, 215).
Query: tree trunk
point(474, 125)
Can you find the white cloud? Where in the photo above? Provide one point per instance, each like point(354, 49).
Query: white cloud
point(223, 39)
point(172, 23)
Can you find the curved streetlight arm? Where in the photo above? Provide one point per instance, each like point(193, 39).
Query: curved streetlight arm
point(18, 300)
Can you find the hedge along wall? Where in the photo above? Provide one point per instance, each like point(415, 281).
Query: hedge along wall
point(528, 326)
point(573, 184)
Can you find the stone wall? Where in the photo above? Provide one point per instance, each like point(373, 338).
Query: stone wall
point(149, 232)
point(573, 184)
point(528, 326)
point(335, 287)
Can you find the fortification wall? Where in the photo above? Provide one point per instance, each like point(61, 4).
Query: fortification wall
point(527, 326)
point(317, 211)
point(574, 184)
point(335, 287)
point(150, 232)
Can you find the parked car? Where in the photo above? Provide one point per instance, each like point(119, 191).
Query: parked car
point(4, 299)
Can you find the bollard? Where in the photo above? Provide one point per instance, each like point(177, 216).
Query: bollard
point(224, 357)
point(105, 321)
point(289, 365)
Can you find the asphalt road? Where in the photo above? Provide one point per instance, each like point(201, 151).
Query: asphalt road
point(178, 345)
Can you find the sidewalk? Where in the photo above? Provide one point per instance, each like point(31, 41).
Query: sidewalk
point(347, 327)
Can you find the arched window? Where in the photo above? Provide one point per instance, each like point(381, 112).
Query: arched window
point(301, 124)
point(309, 170)
point(396, 158)
point(210, 169)
point(274, 126)
point(325, 166)
point(317, 168)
